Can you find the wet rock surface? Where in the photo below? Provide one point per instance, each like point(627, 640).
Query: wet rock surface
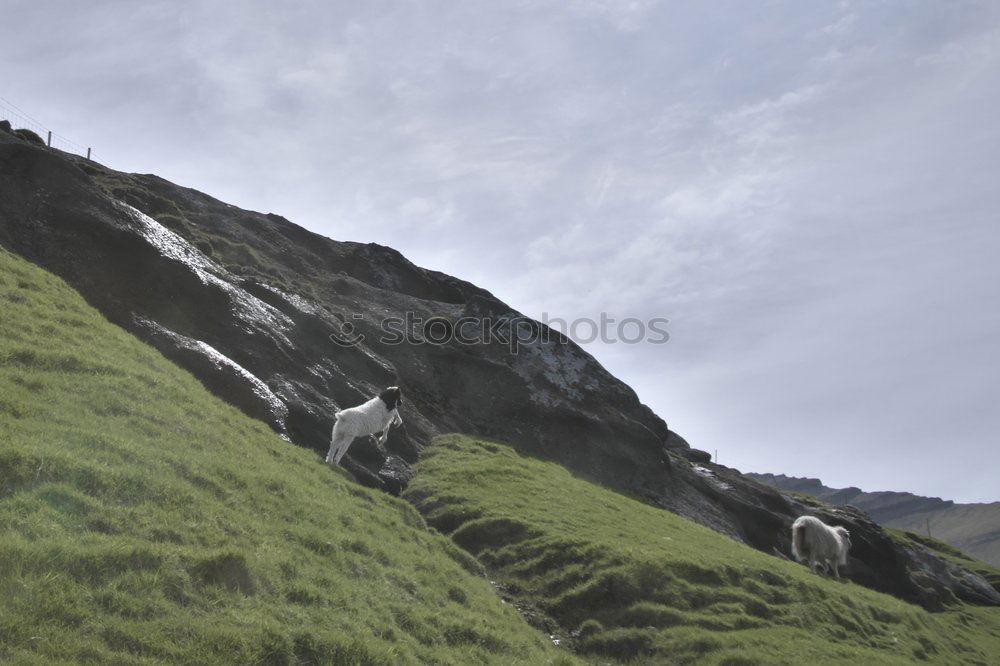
point(256, 307)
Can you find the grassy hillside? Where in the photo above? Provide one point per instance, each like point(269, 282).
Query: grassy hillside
point(628, 581)
point(144, 521)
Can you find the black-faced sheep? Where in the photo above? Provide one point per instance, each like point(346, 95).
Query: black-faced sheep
point(374, 416)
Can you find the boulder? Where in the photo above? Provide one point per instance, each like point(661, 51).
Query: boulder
point(697, 455)
point(29, 136)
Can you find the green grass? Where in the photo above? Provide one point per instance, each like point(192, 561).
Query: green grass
point(626, 581)
point(144, 521)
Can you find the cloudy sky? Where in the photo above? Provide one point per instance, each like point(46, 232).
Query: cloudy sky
point(809, 191)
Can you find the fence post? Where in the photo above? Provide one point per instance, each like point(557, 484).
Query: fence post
point(49, 142)
point(88, 154)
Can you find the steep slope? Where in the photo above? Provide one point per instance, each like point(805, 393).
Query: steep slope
point(256, 308)
point(618, 579)
point(973, 528)
point(144, 521)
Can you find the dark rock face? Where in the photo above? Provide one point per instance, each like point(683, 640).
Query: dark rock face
point(219, 374)
point(254, 306)
point(697, 455)
point(24, 134)
point(257, 308)
point(29, 136)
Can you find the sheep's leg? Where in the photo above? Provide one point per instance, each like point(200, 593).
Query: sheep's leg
point(836, 570)
point(345, 444)
point(383, 437)
point(333, 446)
point(338, 446)
point(341, 449)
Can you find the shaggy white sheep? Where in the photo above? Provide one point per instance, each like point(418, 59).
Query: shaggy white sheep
point(816, 542)
point(376, 415)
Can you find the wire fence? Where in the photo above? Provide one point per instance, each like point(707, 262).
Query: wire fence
point(21, 120)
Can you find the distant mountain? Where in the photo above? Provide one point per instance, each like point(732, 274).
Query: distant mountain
point(974, 528)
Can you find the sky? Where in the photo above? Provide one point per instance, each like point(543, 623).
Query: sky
point(808, 191)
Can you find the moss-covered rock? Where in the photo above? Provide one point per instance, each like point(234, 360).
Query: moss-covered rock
point(29, 136)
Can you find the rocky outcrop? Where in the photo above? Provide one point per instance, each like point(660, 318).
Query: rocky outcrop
point(23, 134)
point(220, 374)
point(291, 326)
point(260, 309)
point(29, 136)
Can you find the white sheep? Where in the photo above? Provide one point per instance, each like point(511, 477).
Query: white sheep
point(376, 415)
point(816, 542)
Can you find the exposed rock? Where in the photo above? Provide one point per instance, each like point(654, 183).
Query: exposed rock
point(5, 126)
point(395, 474)
point(697, 455)
point(676, 442)
point(946, 577)
point(220, 374)
point(29, 136)
point(141, 249)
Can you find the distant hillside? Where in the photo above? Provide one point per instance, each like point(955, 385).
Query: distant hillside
point(617, 579)
point(974, 528)
point(144, 521)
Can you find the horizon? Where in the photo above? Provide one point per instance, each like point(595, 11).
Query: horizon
point(812, 207)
